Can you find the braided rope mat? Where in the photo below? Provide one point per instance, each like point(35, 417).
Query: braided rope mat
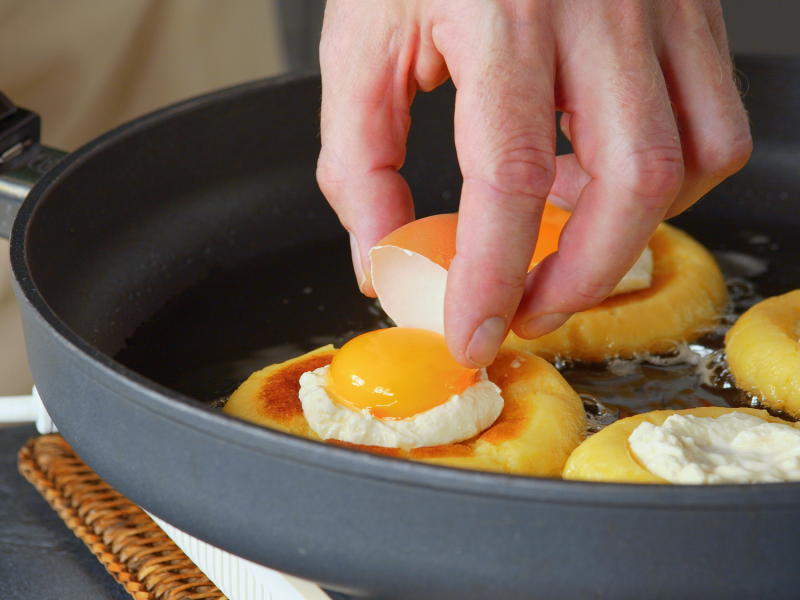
point(136, 552)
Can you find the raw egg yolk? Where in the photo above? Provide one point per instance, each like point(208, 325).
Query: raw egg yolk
point(397, 373)
point(553, 221)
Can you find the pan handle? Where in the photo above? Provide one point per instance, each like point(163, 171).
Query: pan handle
point(23, 160)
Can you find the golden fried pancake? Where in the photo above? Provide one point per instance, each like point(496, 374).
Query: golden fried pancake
point(541, 423)
point(764, 353)
point(685, 298)
point(606, 455)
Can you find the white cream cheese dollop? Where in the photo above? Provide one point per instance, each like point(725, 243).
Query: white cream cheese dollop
point(732, 448)
point(460, 418)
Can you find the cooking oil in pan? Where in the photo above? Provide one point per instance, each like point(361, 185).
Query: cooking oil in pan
point(695, 374)
point(209, 339)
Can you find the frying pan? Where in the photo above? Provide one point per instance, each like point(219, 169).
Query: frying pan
point(123, 236)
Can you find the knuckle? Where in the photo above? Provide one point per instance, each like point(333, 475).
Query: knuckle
point(591, 294)
point(331, 176)
point(529, 11)
point(522, 170)
point(739, 152)
point(726, 155)
point(655, 173)
point(506, 282)
point(427, 82)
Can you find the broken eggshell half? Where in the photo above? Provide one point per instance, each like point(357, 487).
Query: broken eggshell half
point(409, 266)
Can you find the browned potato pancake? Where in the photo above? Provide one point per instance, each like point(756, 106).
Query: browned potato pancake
point(764, 352)
point(542, 420)
point(685, 298)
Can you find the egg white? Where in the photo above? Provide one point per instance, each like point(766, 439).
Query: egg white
point(461, 417)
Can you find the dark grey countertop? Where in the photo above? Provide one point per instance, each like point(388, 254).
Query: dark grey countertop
point(40, 557)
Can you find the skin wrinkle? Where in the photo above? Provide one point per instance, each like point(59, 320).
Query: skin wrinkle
point(509, 125)
point(586, 290)
point(519, 200)
point(640, 174)
point(514, 152)
point(503, 275)
point(592, 293)
point(521, 163)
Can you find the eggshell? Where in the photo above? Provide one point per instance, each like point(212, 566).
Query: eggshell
point(409, 267)
point(409, 271)
point(553, 220)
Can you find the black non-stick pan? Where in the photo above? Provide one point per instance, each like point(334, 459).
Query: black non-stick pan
point(194, 241)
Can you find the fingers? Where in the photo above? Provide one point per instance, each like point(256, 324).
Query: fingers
point(626, 141)
point(715, 133)
point(505, 138)
point(570, 177)
point(569, 183)
point(641, 153)
point(364, 124)
point(715, 136)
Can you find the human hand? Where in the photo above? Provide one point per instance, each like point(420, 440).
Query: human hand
point(649, 102)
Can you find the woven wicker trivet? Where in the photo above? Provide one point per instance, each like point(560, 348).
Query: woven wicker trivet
point(120, 534)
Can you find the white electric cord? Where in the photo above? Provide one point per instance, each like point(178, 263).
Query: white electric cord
point(25, 409)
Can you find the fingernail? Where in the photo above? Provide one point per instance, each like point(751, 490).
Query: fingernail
point(357, 266)
point(543, 324)
point(486, 341)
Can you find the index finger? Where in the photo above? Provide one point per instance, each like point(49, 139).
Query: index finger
point(505, 139)
point(364, 124)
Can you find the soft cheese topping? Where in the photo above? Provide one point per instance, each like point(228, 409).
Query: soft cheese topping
point(732, 448)
point(461, 417)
